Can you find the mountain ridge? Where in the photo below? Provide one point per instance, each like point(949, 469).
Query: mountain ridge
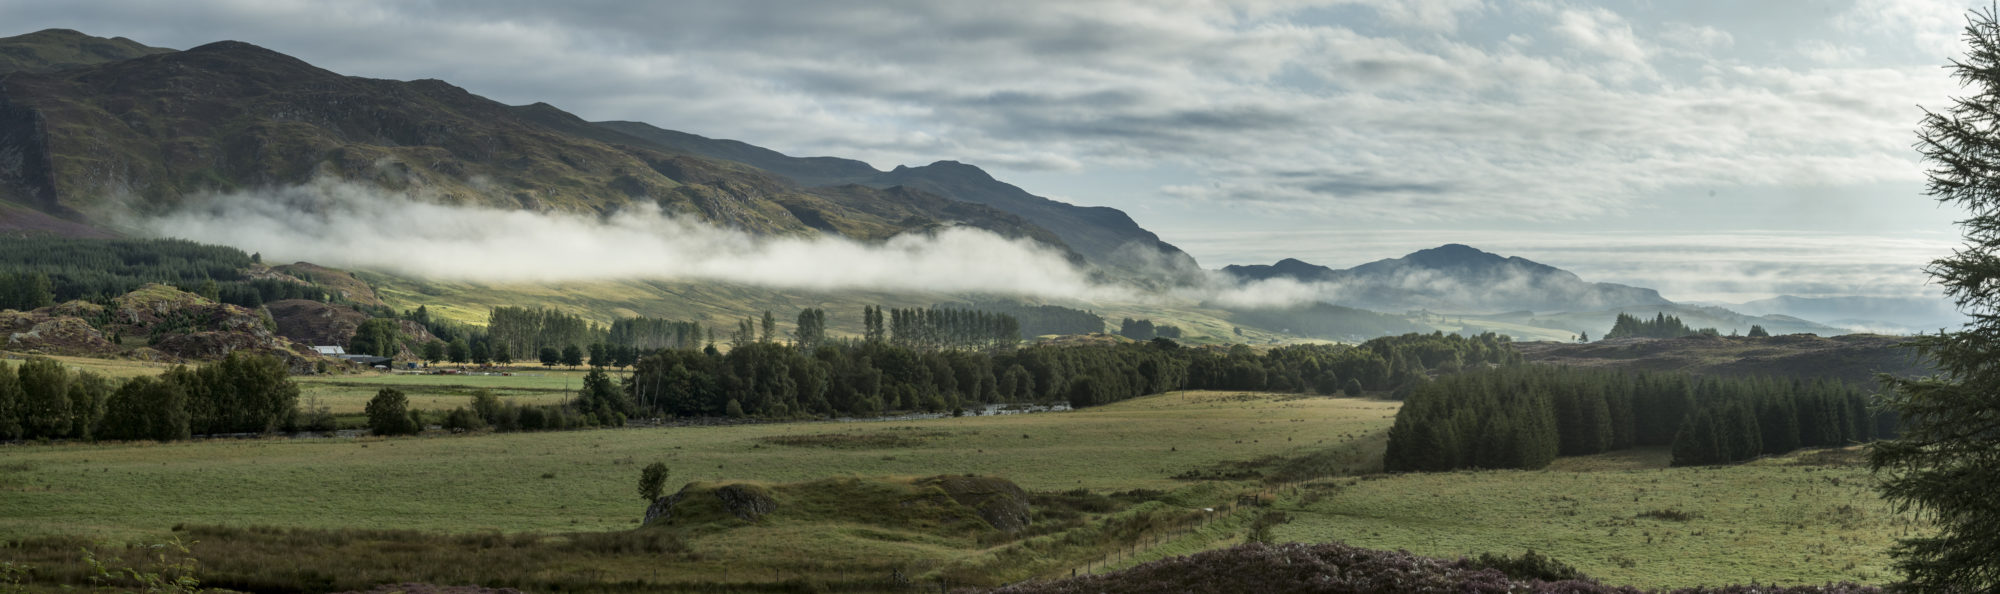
point(1456, 277)
point(149, 130)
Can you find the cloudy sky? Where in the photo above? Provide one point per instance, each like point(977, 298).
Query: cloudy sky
point(1717, 150)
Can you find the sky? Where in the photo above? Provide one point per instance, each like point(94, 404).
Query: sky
point(1719, 151)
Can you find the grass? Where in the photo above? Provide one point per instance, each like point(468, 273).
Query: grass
point(1801, 519)
point(494, 482)
point(554, 510)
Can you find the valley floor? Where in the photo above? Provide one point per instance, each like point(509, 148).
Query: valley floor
point(1104, 481)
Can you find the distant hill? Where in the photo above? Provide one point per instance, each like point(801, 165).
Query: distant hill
point(1103, 235)
point(1877, 314)
point(50, 50)
point(1852, 358)
point(1457, 278)
point(91, 128)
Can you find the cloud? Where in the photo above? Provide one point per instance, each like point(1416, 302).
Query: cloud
point(1600, 31)
point(1438, 111)
point(343, 224)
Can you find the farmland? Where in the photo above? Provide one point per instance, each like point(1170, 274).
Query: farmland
point(1806, 518)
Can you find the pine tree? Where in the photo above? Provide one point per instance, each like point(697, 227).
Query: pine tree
point(1946, 464)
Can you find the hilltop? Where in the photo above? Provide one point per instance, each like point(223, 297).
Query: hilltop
point(103, 127)
point(1854, 358)
point(1457, 278)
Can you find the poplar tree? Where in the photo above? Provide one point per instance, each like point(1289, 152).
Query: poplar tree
point(1946, 464)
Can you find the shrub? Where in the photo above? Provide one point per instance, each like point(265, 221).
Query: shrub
point(389, 414)
point(1529, 566)
point(652, 480)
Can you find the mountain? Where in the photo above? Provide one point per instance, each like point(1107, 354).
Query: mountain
point(144, 130)
point(1874, 314)
point(56, 49)
point(1104, 235)
point(1457, 278)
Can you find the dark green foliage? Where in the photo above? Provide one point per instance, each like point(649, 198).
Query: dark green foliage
point(602, 398)
point(11, 407)
point(1523, 417)
point(41, 271)
point(811, 330)
point(524, 330)
point(389, 414)
point(381, 337)
point(1757, 331)
point(44, 399)
point(572, 356)
point(433, 351)
point(1946, 465)
point(146, 408)
point(1661, 326)
point(650, 334)
point(459, 351)
point(652, 481)
point(1529, 566)
point(944, 328)
point(25, 291)
point(1039, 320)
point(550, 357)
point(1136, 329)
point(240, 394)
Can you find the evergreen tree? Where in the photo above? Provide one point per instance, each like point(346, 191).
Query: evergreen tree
point(1946, 464)
point(1757, 331)
point(770, 325)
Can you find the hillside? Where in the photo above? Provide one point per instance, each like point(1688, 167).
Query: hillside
point(1852, 358)
point(147, 132)
point(1878, 314)
point(56, 49)
point(1103, 235)
point(1456, 278)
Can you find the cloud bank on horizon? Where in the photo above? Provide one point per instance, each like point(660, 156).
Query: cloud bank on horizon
point(1528, 116)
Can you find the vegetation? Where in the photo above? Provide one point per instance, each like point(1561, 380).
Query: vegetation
point(1944, 467)
point(240, 394)
point(1524, 417)
point(389, 414)
point(1042, 320)
point(1661, 326)
point(39, 272)
point(1146, 330)
point(1339, 568)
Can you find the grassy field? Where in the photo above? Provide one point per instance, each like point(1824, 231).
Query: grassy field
point(1115, 486)
point(583, 480)
point(1806, 518)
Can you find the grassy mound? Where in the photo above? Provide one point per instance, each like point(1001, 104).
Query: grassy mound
point(952, 505)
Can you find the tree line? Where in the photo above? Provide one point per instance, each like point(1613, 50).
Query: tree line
point(1526, 416)
point(1146, 330)
point(41, 399)
point(42, 271)
point(1041, 320)
point(1661, 326)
